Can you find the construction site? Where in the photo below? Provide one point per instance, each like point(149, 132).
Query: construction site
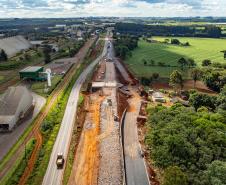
point(107, 148)
point(103, 151)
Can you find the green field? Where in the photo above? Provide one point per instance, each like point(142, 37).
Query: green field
point(39, 87)
point(1, 78)
point(200, 49)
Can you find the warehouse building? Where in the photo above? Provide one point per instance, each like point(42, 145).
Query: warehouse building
point(33, 73)
point(14, 45)
point(15, 103)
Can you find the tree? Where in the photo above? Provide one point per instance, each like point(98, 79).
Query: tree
point(155, 76)
point(221, 99)
point(144, 61)
point(175, 41)
point(152, 62)
point(224, 53)
point(213, 31)
point(46, 52)
point(214, 80)
point(215, 173)
point(27, 56)
point(174, 176)
point(196, 74)
point(3, 56)
point(206, 62)
point(191, 62)
point(145, 81)
point(176, 79)
point(198, 100)
point(182, 62)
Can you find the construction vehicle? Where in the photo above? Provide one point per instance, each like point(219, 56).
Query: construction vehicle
point(60, 161)
point(109, 102)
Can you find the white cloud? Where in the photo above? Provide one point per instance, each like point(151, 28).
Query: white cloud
point(78, 8)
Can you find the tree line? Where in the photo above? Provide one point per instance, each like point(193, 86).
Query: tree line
point(167, 30)
point(124, 44)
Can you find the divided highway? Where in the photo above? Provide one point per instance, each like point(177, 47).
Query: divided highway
point(53, 175)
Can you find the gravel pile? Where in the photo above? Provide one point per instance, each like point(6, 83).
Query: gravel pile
point(110, 169)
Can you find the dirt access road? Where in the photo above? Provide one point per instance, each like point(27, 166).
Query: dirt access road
point(35, 131)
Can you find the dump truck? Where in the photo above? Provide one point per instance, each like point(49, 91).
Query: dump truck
point(60, 161)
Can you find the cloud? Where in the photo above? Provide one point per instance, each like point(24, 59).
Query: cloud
point(78, 8)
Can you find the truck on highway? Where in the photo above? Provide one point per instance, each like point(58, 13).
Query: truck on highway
point(60, 161)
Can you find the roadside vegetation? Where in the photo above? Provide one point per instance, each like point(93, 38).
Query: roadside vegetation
point(189, 143)
point(51, 125)
point(16, 172)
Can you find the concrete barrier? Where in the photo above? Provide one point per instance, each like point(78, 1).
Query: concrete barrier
point(122, 146)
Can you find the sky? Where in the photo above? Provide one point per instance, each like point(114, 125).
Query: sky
point(118, 8)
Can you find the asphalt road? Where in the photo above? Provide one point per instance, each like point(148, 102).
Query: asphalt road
point(7, 140)
point(53, 175)
point(136, 173)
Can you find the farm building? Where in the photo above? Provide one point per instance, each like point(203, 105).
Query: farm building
point(32, 73)
point(158, 97)
point(15, 103)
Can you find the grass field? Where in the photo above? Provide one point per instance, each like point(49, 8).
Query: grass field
point(200, 49)
point(1, 78)
point(39, 87)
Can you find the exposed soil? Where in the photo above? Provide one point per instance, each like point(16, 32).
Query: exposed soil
point(85, 168)
point(188, 84)
point(122, 103)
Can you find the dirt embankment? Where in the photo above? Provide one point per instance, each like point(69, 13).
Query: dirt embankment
point(188, 85)
point(121, 102)
point(85, 167)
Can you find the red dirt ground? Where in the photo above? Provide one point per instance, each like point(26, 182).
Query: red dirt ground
point(188, 84)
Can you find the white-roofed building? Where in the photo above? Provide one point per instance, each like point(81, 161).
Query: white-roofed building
point(13, 45)
point(158, 97)
point(14, 104)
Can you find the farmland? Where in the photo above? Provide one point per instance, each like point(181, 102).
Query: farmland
point(200, 49)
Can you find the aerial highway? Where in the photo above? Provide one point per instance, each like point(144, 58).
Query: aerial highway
point(53, 175)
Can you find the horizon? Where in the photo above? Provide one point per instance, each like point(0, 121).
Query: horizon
point(111, 8)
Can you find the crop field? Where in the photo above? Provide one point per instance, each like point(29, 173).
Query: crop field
point(200, 49)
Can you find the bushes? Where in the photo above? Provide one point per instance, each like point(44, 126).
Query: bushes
point(21, 164)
